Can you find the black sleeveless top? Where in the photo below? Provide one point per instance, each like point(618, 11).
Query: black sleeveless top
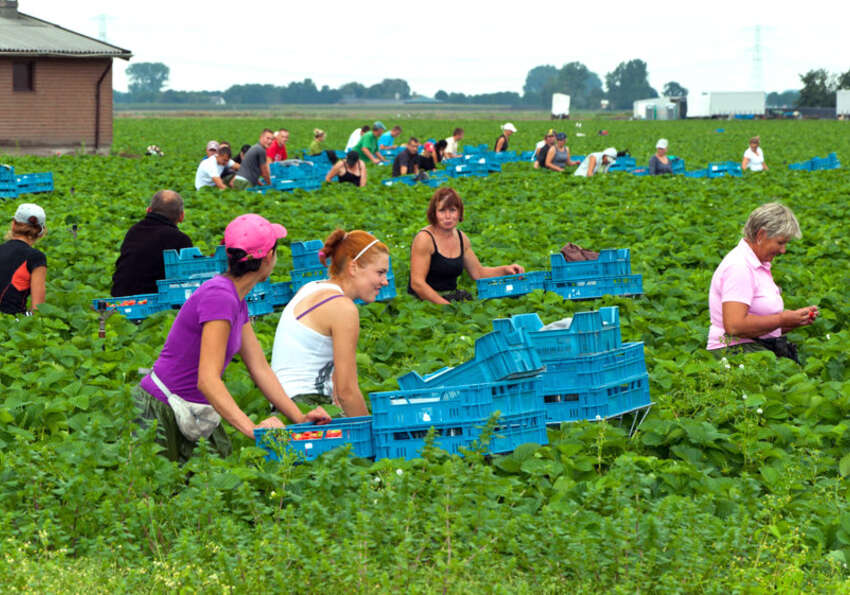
point(349, 177)
point(504, 147)
point(443, 272)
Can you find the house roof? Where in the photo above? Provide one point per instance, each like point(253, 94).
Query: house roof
point(23, 35)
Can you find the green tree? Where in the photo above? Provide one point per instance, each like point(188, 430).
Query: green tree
point(844, 80)
point(674, 89)
point(147, 78)
point(441, 95)
point(628, 83)
point(576, 80)
point(389, 89)
point(535, 82)
point(818, 89)
point(353, 89)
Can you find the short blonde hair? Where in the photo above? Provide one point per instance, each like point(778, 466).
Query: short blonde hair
point(775, 219)
point(755, 140)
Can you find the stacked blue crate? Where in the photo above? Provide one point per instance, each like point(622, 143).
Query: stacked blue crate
point(458, 414)
point(8, 183)
point(590, 374)
point(625, 163)
point(502, 354)
point(609, 275)
point(829, 162)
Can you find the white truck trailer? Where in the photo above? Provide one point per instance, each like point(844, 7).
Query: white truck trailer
point(842, 102)
point(714, 104)
point(560, 106)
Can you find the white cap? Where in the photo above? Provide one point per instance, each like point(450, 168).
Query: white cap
point(27, 211)
point(509, 126)
point(610, 152)
point(212, 146)
point(661, 144)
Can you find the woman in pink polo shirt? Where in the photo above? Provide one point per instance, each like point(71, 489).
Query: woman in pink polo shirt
point(746, 306)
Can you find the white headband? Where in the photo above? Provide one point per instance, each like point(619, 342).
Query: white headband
point(363, 251)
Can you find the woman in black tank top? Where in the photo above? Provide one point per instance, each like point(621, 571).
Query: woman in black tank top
point(440, 254)
point(502, 142)
point(350, 170)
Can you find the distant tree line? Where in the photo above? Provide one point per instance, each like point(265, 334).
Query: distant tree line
point(628, 82)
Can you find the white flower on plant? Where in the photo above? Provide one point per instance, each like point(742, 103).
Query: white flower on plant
point(399, 472)
point(759, 411)
point(741, 366)
point(377, 479)
point(727, 366)
point(744, 396)
point(723, 360)
point(827, 336)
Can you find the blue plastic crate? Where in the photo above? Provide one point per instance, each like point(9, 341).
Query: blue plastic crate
point(678, 165)
point(592, 288)
point(300, 277)
point(469, 168)
point(526, 156)
point(725, 168)
point(33, 183)
point(503, 354)
point(175, 291)
point(306, 254)
point(309, 440)
point(469, 403)
point(510, 433)
point(801, 166)
point(282, 293)
point(511, 285)
point(601, 402)
point(134, 307)
point(610, 263)
point(260, 299)
point(640, 171)
point(828, 162)
point(589, 332)
point(697, 173)
point(189, 262)
point(406, 180)
point(8, 190)
point(598, 369)
point(7, 173)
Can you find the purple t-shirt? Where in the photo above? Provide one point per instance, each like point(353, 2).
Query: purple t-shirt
point(177, 364)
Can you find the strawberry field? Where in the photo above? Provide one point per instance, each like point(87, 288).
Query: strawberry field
point(736, 482)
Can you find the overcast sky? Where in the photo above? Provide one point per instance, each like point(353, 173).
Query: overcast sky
point(461, 45)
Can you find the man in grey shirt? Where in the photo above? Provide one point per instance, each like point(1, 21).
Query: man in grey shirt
point(254, 164)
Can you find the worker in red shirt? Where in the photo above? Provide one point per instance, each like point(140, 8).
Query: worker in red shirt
point(277, 150)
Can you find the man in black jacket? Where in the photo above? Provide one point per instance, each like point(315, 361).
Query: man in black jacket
point(140, 263)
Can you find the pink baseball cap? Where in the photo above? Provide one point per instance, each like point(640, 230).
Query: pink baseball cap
point(253, 234)
point(429, 146)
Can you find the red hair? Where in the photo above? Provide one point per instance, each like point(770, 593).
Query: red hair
point(341, 247)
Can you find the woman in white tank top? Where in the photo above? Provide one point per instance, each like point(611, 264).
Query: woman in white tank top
point(315, 345)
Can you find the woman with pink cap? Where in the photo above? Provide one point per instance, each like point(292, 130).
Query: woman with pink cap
point(184, 392)
point(315, 346)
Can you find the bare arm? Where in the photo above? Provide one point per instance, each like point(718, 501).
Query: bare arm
point(213, 347)
point(570, 159)
point(363, 173)
point(475, 269)
point(264, 171)
point(38, 287)
point(334, 171)
point(219, 184)
point(738, 322)
point(745, 163)
point(266, 380)
point(591, 166)
point(499, 144)
point(371, 157)
point(420, 262)
point(345, 330)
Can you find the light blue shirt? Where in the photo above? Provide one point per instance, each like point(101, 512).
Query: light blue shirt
point(386, 139)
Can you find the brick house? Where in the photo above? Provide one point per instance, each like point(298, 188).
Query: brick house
point(55, 86)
